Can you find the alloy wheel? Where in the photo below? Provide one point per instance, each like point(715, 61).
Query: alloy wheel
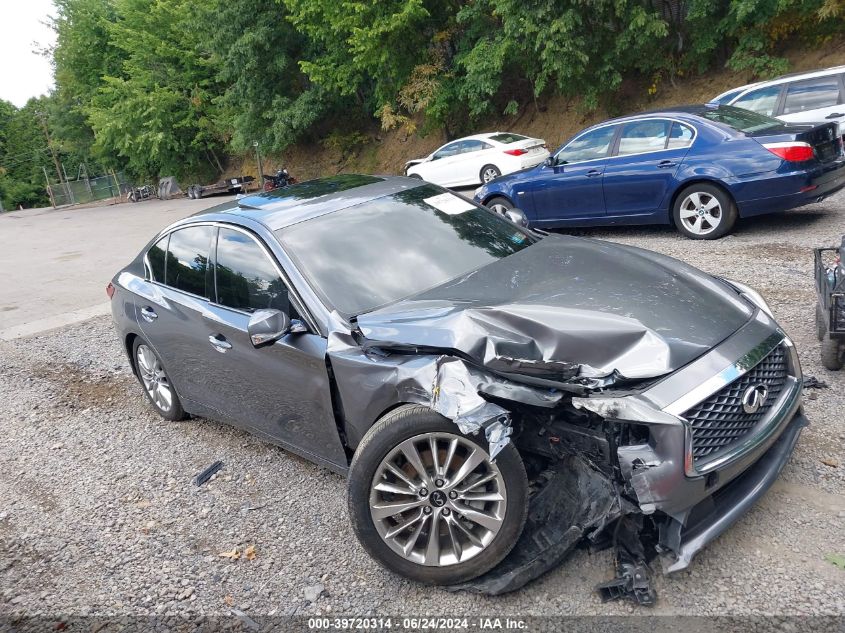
point(437, 499)
point(491, 173)
point(701, 213)
point(154, 378)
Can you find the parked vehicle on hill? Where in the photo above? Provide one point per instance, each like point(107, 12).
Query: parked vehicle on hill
point(478, 159)
point(698, 167)
point(496, 396)
point(809, 97)
point(142, 192)
point(280, 179)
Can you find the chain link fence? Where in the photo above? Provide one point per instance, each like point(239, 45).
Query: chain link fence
point(86, 190)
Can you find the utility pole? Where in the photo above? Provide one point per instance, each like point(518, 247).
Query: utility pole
point(49, 188)
point(42, 119)
point(260, 168)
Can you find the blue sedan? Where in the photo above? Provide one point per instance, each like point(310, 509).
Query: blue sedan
point(697, 167)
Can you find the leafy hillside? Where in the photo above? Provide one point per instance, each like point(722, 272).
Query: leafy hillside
point(156, 87)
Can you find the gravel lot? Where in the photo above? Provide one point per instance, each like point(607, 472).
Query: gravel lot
point(100, 516)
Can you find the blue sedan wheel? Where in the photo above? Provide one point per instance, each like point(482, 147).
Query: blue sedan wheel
point(704, 212)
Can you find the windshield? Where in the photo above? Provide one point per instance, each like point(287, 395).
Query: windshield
point(377, 252)
point(739, 119)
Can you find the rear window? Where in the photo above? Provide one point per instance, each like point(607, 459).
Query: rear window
point(822, 92)
point(508, 138)
point(742, 120)
point(187, 260)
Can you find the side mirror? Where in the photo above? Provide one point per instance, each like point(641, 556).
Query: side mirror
point(549, 162)
point(517, 216)
point(267, 326)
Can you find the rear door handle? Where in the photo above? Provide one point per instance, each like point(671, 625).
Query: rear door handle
point(220, 344)
point(593, 173)
point(148, 314)
point(835, 115)
point(666, 163)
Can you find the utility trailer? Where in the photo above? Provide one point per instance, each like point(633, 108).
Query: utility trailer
point(239, 184)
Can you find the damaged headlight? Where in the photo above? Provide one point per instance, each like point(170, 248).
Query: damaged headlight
point(477, 192)
point(749, 293)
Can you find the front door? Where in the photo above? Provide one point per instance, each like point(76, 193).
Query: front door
point(571, 188)
point(281, 391)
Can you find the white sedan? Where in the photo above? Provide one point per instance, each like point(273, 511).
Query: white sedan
point(478, 159)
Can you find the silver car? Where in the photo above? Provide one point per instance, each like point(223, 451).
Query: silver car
point(494, 395)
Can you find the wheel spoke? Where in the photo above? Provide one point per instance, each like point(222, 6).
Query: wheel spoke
point(387, 509)
point(391, 533)
point(711, 204)
point(471, 463)
point(476, 516)
point(695, 198)
point(696, 225)
point(450, 454)
point(453, 537)
point(712, 221)
point(385, 486)
point(415, 536)
point(687, 213)
point(432, 548)
point(165, 396)
point(488, 477)
point(435, 458)
point(410, 452)
point(482, 496)
point(467, 532)
point(400, 475)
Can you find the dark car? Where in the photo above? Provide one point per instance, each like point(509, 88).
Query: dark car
point(697, 167)
point(494, 395)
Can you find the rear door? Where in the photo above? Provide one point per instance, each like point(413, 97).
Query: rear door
point(281, 391)
point(818, 100)
point(170, 311)
point(572, 187)
point(641, 173)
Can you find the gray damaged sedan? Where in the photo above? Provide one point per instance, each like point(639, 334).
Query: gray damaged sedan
point(496, 396)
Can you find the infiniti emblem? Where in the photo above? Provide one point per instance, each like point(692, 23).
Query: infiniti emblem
point(754, 398)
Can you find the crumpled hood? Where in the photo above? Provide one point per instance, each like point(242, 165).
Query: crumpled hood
point(566, 310)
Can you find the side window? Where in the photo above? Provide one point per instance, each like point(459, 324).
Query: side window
point(472, 146)
point(680, 136)
point(639, 137)
point(449, 150)
point(763, 100)
point(594, 144)
point(187, 259)
point(246, 278)
point(821, 92)
point(155, 258)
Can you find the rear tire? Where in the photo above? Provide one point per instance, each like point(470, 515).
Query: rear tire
point(704, 212)
point(499, 204)
point(472, 535)
point(489, 173)
point(157, 386)
point(831, 353)
point(821, 324)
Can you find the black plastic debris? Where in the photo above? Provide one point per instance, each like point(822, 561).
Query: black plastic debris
point(207, 474)
point(811, 382)
point(633, 575)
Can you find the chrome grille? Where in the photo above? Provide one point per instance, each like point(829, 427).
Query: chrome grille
point(720, 421)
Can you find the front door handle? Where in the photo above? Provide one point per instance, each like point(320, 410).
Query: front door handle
point(834, 115)
point(220, 344)
point(593, 173)
point(666, 163)
point(148, 314)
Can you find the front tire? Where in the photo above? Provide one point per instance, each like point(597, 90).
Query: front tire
point(821, 323)
point(157, 386)
point(428, 503)
point(704, 212)
point(831, 353)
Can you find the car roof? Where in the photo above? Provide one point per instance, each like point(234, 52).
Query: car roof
point(807, 74)
point(677, 112)
point(303, 201)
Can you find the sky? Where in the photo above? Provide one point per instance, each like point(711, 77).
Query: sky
point(23, 73)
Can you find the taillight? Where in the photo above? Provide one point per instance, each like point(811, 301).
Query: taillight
point(793, 151)
point(110, 290)
point(516, 152)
